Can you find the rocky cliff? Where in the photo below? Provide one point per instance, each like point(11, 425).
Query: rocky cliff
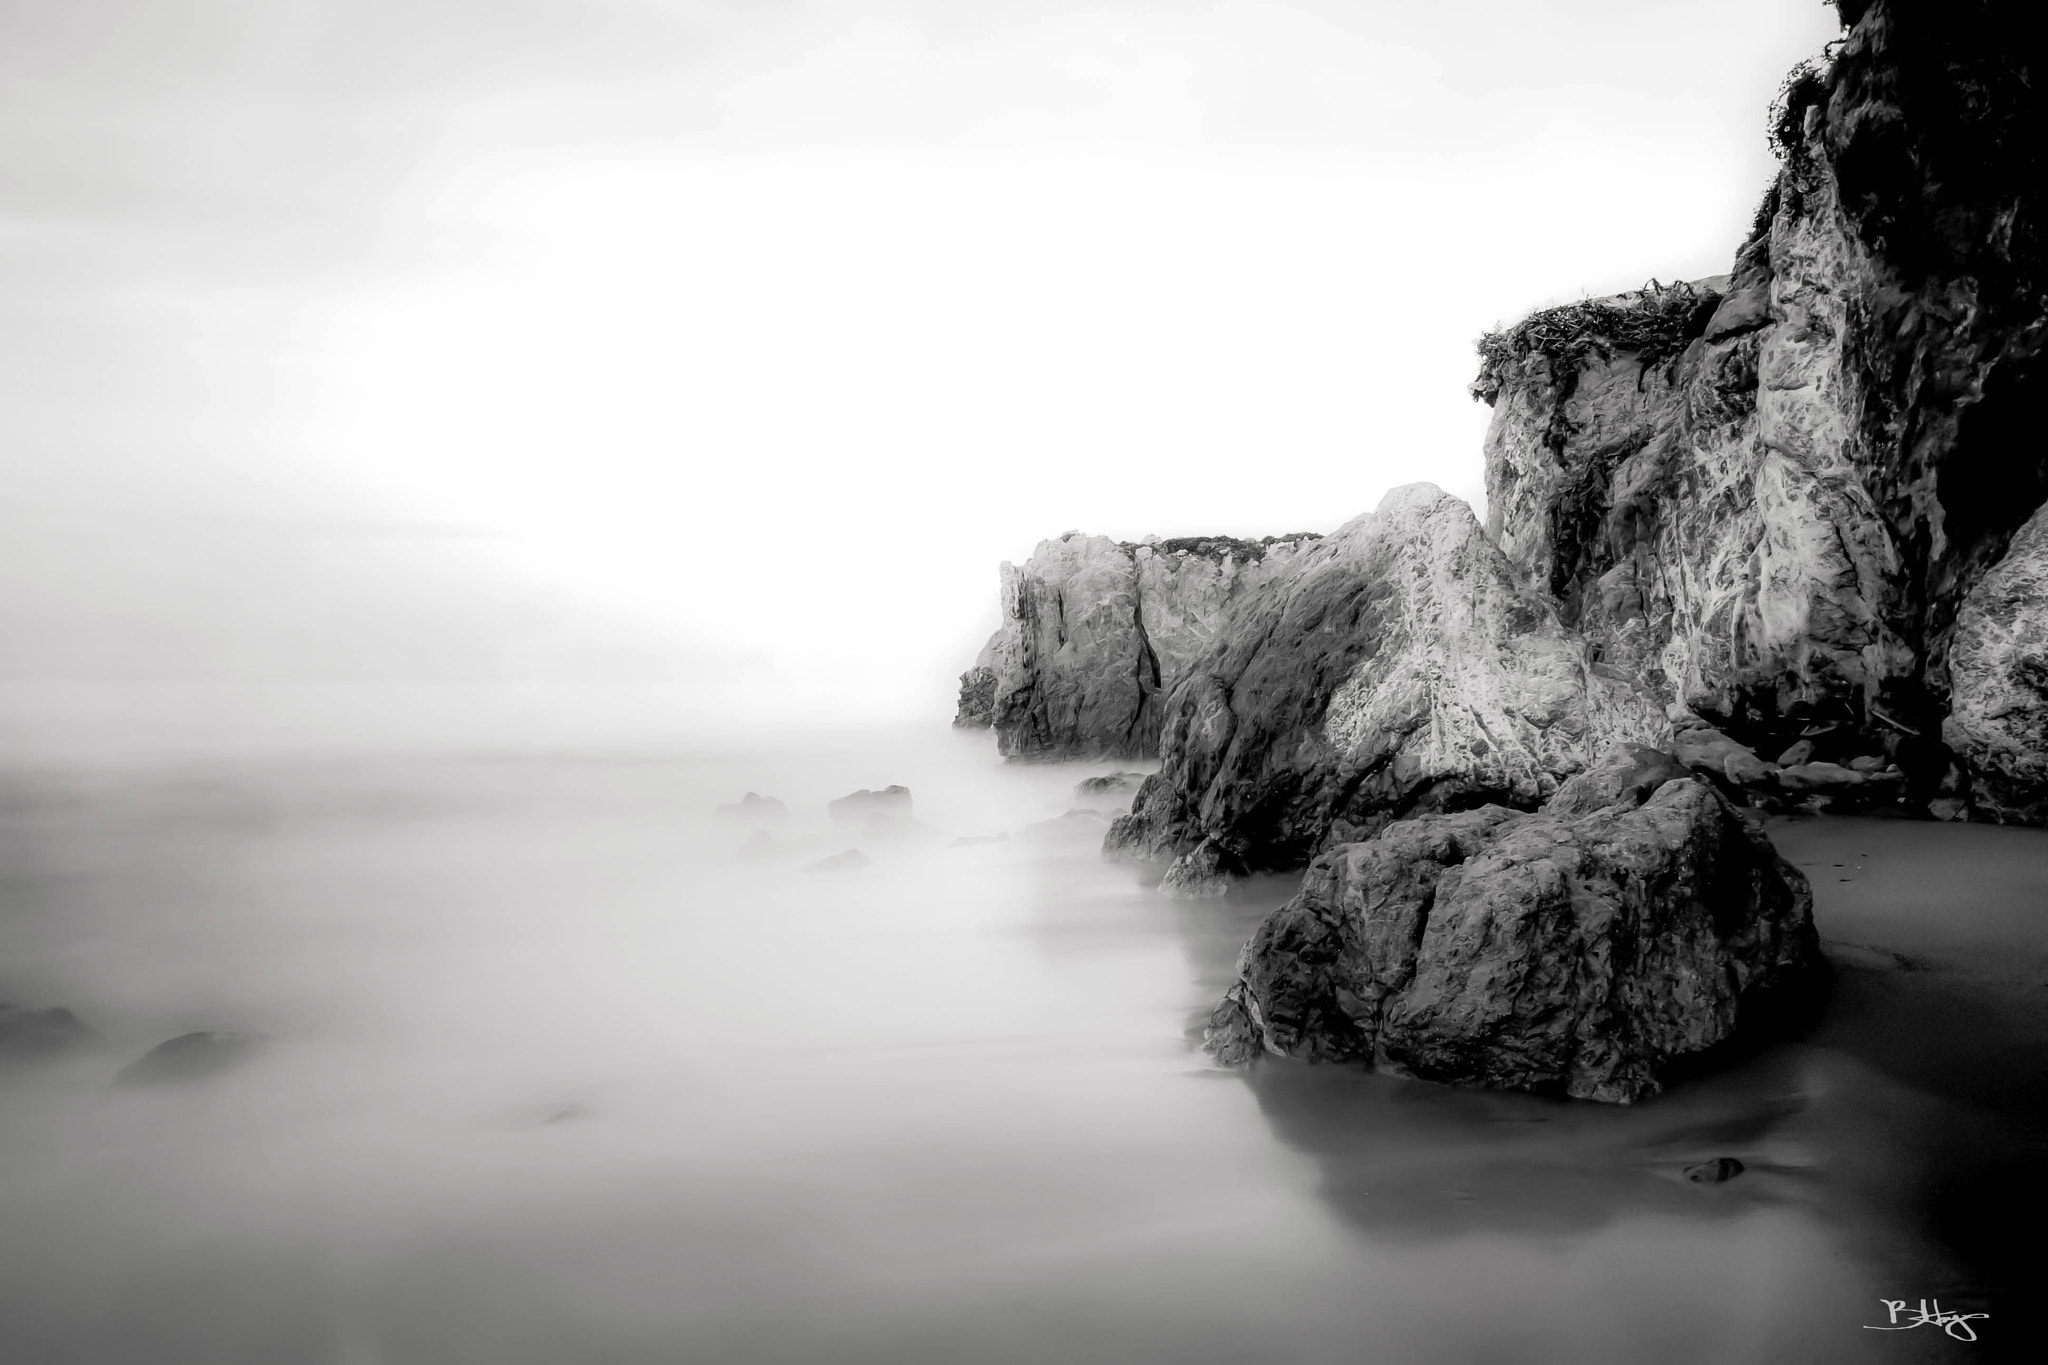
point(1394, 667)
point(1784, 505)
point(1770, 496)
point(1096, 633)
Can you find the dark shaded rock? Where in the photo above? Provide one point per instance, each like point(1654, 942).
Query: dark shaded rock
point(1573, 950)
point(852, 860)
point(1998, 675)
point(1394, 667)
point(754, 806)
point(890, 804)
point(29, 1035)
point(190, 1057)
point(1716, 1172)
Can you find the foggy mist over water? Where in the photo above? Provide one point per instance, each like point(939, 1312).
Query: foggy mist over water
point(557, 1069)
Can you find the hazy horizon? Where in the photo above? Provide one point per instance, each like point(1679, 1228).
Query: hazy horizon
point(720, 352)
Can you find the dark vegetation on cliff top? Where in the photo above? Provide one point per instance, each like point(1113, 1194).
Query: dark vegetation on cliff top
point(1214, 547)
point(1654, 322)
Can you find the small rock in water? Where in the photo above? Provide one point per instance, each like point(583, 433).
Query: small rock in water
point(1110, 791)
point(848, 861)
point(1797, 754)
point(31, 1034)
point(1817, 777)
point(759, 845)
point(1087, 822)
point(1868, 763)
point(890, 803)
point(1203, 871)
point(754, 806)
point(1716, 1172)
point(189, 1057)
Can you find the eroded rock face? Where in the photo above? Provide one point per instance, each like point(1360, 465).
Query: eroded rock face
point(1773, 512)
point(1998, 677)
point(1581, 949)
point(1395, 667)
point(1097, 632)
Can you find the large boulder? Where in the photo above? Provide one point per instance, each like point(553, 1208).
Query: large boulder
point(1581, 950)
point(1097, 632)
point(1998, 680)
point(1395, 667)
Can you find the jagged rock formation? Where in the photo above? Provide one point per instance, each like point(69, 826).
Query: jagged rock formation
point(1395, 667)
point(1998, 670)
point(1097, 632)
point(1582, 949)
point(1769, 496)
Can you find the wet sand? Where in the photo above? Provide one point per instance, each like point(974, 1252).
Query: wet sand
point(553, 1075)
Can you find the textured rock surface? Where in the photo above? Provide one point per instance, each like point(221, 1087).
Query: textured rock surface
point(1394, 667)
point(1097, 632)
point(1775, 518)
point(1581, 949)
point(1998, 673)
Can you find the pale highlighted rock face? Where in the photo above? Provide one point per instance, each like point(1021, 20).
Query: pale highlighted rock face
point(1773, 508)
point(1579, 950)
point(1998, 681)
point(1097, 632)
point(1394, 668)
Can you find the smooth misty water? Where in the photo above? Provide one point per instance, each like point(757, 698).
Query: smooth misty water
point(553, 1077)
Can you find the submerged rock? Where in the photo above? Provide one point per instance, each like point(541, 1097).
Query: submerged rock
point(890, 804)
point(190, 1057)
point(759, 847)
point(1109, 790)
point(1395, 667)
point(1581, 949)
point(33, 1034)
point(754, 806)
point(1085, 823)
point(852, 860)
point(1719, 1171)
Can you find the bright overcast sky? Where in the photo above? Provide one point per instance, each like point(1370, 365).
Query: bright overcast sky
point(735, 342)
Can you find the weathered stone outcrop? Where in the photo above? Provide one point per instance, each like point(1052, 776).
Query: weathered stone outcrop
point(1635, 921)
point(1770, 495)
point(1998, 676)
point(1395, 667)
point(1097, 632)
